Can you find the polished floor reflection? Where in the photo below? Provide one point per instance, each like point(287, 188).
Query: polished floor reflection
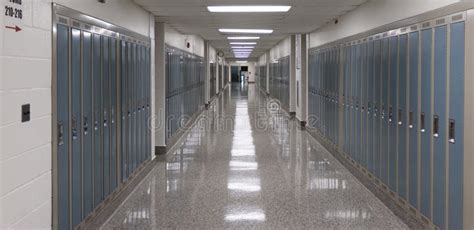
point(246, 165)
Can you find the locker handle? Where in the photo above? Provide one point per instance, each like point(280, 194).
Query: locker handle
point(410, 120)
point(452, 131)
point(60, 133)
point(390, 114)
point(86, 125)
point(383, 112)
point(436, 126)
point(74, 128)
point(422, 122)
point(96, 125)
point(400, 122)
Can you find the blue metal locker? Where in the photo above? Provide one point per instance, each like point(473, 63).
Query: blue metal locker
point(113, 114)
point(134, 92)
point(97, 84)
point(363, 106)
point(392, 114)
point(124, 111)
point(413, 119)
point(357, 97)
point(353, 77)
point(62, 107)
point(384, 111)
point(86, 121)
point(138, 106)
point(425, 121)
point(370, 106)
point(76, 156)
point(347, 69)
point(439, 128)
point(402, 116)
point(377, 108)
point(106, 115)
point(456, 126)
point(130, 150)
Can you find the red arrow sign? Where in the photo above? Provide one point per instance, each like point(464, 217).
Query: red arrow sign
point(16, 28)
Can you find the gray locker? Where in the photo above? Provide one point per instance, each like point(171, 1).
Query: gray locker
point(370, 106)
point(385, 110)
point(87, 109)
point(75, 104)
point(363, 107)
point(439, 124)
point(425, 121)
point(455, 130)
point(105, 115)
point(113, 113)
point(124, 111)
point(402, 116)
point(392, 114)
point(413, 120)
point(62, 111)
point(97, 85)
point(377, 109)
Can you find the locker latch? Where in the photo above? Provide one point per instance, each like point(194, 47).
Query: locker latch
point(400, 122)
point(410, 120)
point(452, 131)
point(436, 126)
point(60, 133)
point(74, 128)
point(390, 114)
point(86, 125)
point(105, 118)
point(422, 123)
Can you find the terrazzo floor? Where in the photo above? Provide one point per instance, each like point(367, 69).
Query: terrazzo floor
point(245, 165)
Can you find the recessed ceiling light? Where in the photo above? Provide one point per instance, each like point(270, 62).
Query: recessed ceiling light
point(248, 9)
point(246, 31)
point(243, 38)
point(241, 62)
point(243, 43)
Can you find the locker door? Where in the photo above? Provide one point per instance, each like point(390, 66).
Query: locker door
point(402, 117)
point(129, 94)
point(357, 97)
point(384, 110)
point(370, 106)
point(353, 101)
point(456, 127)
point(106, 114)
point(97, 83)
point(113, 114)
point(377, 108)
point(76, 156)
point(148, 95)
point(363, 106)
point(425, 124)
point(413, 119)
point(439, 125)
point(347, 87)
point(134, 107)
point(87, 121)
point(62, 107)
point(392, 114)
point(124, 110)
point(138, 105)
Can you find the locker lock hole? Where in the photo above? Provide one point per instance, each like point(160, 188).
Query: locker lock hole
point(25, 113)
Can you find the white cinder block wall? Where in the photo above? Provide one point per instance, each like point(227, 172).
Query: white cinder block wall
point(25, 61)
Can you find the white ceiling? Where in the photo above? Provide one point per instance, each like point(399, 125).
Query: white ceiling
point(192, 17)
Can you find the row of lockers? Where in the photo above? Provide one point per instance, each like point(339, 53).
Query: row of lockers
point(398, 101)
point(101, 112)
point(184, 88)
point(221, 78)
point(213, 79)
point(262, 76)
point(226, 75)
point(280, 81)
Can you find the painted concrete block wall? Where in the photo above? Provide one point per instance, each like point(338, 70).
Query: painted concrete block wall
point(282, 49)
point(373, 14)
point(179, 40)
point(25, 78)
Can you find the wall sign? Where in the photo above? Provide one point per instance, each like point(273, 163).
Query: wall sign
point(14, 14)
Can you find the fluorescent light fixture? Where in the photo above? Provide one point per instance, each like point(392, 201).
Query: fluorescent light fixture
point(242, 50)
point(246, 31)
point(243, 38)
point(241, 62)
point(243, 47)
point(248, 9)
point(243, 43)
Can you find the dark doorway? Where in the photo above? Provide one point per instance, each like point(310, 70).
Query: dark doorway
point(235, 73)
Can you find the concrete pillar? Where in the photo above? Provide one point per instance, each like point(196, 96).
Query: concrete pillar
point(207, 74)
point(302, 84)
point(159, 128)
